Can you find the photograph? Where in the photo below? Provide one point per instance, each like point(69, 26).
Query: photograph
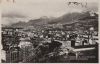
point(49, 31)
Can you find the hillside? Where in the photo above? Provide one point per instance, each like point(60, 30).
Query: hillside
point(66, 19)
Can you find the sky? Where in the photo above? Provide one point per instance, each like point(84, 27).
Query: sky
point(24, 10)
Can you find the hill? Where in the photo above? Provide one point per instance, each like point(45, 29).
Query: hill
point(66, 19)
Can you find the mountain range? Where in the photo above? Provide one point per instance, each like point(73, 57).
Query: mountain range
point(65, 19)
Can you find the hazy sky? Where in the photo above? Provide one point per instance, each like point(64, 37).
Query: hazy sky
point(26, 9)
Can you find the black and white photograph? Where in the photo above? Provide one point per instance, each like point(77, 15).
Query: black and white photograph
point(49, 31)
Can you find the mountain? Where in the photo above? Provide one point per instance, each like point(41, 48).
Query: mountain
point(41, 21)
point(19, 24)
point(70, 17)
point(45, 20)
point(66, 19)
point(34, 22)
point(84, 22)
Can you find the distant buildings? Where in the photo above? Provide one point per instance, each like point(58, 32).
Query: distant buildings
point(23, 46)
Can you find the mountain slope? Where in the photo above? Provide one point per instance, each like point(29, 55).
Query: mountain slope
point(65, 19)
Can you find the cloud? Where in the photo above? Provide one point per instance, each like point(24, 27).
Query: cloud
point(13, 15)
point(9, 20)
point(25, 9)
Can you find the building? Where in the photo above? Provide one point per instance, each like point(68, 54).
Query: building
point(13, 55)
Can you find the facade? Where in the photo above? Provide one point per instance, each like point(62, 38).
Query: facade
point(13, 55)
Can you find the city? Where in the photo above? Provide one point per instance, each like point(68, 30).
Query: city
point(45, 45)
point(50, 32)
